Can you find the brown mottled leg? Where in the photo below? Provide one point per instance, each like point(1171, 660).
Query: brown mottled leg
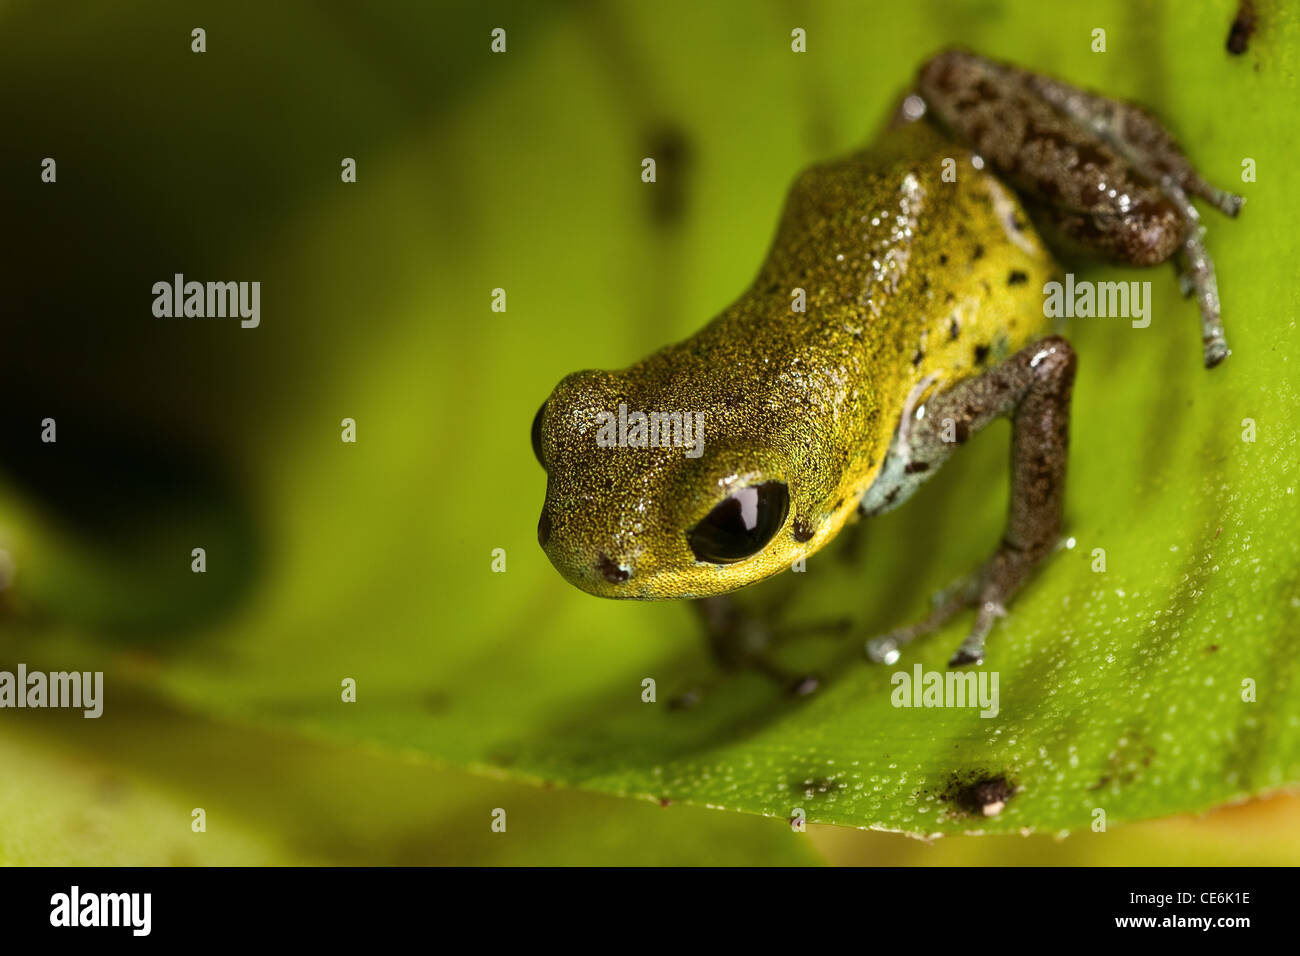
point(741, 641)
point(1033, 387)
point(1107, 176)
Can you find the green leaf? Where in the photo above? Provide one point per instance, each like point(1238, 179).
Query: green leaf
point(122, 791)
point(1120, 691)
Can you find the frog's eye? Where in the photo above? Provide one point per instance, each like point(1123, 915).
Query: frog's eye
point(742, 524)
point(537, 435)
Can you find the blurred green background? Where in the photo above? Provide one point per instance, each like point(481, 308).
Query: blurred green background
point(373, 561)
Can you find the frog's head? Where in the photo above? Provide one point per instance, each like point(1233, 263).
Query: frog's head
point(660, 489)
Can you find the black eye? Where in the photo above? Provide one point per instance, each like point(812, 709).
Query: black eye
point(742, 524)
point(537, 435)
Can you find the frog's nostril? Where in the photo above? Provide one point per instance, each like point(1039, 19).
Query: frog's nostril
point(544, 529)
point(611, 572)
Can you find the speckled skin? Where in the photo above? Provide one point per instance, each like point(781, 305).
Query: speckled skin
point(919, 288)
point(1103, 177)
point(906, 276)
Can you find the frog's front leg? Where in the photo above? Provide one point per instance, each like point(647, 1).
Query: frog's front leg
point(1033, 388)
point(1098, 174)
point(739, 640)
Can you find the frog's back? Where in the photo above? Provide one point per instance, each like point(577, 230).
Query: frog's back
point(909, 250)
point(913, 261)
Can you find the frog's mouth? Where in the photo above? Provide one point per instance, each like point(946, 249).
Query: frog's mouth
point(606, 575)
point(748, 535)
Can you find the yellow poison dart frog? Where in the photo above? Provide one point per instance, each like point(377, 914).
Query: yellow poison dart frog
point(900, 309)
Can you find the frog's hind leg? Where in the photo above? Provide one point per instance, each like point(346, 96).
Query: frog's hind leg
point(1107, 176)
point(1140, 138)
point(1032, 387)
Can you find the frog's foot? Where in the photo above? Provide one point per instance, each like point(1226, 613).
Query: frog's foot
point(987, 591)
point(945, 605)
point(1199, 275)
point(741, 641)
point(1005, 572)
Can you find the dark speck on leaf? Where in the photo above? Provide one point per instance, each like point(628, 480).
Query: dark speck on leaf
point(814, 786)
point(1243, 28)
point(981, 354)
point(671, 151)
point(437, 702)
point(985, 796)
point(1016, 277)
point(685, 700)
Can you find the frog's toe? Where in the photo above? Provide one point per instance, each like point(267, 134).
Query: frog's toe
point(883, 649)
point(971, 650)
point(958, 595)
point(946, 604)
point(804, 685)
point(686, 700)
point(1183, 269)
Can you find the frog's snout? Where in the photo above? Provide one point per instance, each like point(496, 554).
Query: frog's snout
point(590, 574)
